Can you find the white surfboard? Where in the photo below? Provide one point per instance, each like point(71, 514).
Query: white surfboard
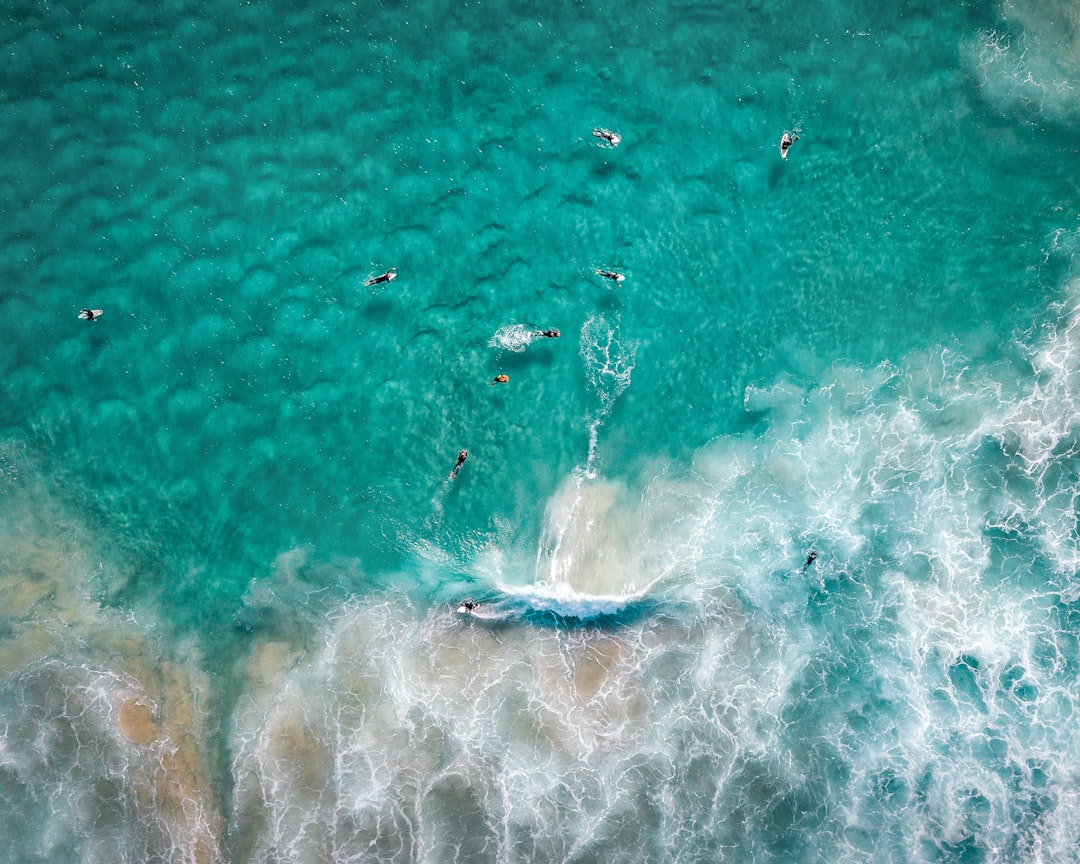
point(93, 316)
point(786, 140)
point(481, 612)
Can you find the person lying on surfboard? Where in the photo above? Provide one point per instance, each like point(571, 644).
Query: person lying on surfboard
point(611, 274)
point(548, 334)
point(389, 276)
point(786, 140)
point(90, 314)
point(461, 457)
point(613, 138)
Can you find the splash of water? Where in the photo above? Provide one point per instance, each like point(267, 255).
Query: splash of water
point(514, 337)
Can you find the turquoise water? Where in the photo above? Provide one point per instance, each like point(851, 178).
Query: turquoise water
point(230, 553)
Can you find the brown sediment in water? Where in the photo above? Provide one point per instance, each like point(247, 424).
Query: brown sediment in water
point(136, 721)
point(296, 748)
point(48, 556)
point(183, 792)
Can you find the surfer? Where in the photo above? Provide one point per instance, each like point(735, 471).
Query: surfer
point(501, 378)
point(786, 140)
point(89, 314)
point(548, 334)
point(610, 274)
point(810, 559)
point(389, 276)
point(461, 457)
point(613, 138)
point(467, 607)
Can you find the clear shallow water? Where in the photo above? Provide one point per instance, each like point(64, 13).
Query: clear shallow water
point(230, 552)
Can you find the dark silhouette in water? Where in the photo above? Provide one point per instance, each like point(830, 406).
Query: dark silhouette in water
point(548, 334)
point(810, 559)
point(389, 276)
point(461, 457)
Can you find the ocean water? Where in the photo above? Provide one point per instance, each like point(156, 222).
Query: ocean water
point(776, 546)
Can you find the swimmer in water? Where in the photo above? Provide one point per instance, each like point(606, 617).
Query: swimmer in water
point(389, 276)
point(610, 274)
point(461, 457)
point(89, 314)
point(548, 334)
point(501, 378)
point(786, 140)
point(810, 559)
point(613, 138)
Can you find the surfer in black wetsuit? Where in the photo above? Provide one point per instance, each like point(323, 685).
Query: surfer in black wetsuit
point(611, 274)
point(389, 276)
point(810, 559)
point(469, 605)
point(461, 457)
point(786, 140)
point(548, 334)
point(612, 138)
point(88, 315)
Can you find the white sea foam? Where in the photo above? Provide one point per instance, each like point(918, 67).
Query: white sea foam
point(97, 721)
point(934, 684)
point(909, 696)
point(1031, 62)
point(514, 337)
point(609, 361)
point(910, 691)
point(408, 736)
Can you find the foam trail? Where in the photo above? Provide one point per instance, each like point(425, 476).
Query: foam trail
point(608, 364)
point(514, 337)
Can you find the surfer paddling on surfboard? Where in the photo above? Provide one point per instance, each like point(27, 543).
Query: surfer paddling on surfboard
point(90, 314)
point(389, 276)
point(612, 138)
point(786, 140)
point(461, 457)
point(610, 274)
point(548, 334)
